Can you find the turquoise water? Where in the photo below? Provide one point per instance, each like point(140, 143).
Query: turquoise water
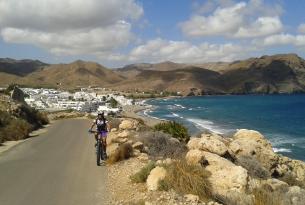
point(280, 118)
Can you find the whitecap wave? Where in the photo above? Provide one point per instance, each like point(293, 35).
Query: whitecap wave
point(180, 106)
point(281, 150)
point(208, 125)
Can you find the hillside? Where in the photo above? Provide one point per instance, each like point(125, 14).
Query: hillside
point(20, 67)
point(283, 73)
point(78, 73)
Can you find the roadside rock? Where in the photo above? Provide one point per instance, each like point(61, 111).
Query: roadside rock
point(111, 149)
point(252, 143)
point(138, 146)
point(113, 130)
point(208, 142)
point(128, 124)
point(124, 134)
point(157, 174)
point(143, 157)
point(225, 176)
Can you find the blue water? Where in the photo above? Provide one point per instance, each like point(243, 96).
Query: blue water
point(280, 118)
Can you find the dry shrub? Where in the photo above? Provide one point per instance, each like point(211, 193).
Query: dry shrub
point(161, 145)
point(125, 151)
point(141, 176)
point(290, 179)
point(254, 168)
point(188, 179)
point(17, 129)
point(265, 196)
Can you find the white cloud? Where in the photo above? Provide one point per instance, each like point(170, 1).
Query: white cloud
point(282, 39)
point(69, 27)
point(263, 26)
point(221, 21)
point(301, 28)
point(158, 50)
point(242, 20)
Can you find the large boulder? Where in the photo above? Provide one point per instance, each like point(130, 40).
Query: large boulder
point(209, 142)
point(252, 143)
point(225, 176)
point(18, 95)
point(155, 176)
point(128, 124)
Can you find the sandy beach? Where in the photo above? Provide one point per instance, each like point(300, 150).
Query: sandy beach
point(133, 112)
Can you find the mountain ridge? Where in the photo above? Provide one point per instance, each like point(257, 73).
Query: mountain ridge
point(281, 73)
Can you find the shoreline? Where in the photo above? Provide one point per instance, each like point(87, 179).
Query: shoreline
point(132, 111)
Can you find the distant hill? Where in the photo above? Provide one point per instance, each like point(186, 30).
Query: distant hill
point(283, 73)
point(20, 67)
point(78, 73)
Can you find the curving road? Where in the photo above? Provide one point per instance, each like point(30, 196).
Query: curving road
point(56, 168)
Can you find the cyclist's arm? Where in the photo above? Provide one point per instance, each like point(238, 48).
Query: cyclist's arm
point(92, 126)
point(108, 127)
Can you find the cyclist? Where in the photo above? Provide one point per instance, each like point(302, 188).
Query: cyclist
point(102, 128)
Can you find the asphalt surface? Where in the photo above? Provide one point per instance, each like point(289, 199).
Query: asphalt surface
point(55, 168)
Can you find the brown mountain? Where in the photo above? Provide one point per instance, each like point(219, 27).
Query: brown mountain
point(20, 67)
point(267, 74)
point(78, 73)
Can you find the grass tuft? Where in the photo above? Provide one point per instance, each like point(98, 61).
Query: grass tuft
point(141, 176)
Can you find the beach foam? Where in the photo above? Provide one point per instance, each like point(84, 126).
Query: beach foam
point(281, 150)
point(208, 125)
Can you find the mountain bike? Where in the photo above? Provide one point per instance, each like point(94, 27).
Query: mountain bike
point(100, 148)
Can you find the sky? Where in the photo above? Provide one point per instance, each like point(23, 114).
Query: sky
point(120, 32)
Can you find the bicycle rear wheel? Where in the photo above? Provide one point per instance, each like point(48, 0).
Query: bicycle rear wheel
point(98, 153)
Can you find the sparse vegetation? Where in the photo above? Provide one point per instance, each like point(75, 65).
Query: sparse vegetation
point(141, 176)
point(161, 144)
point(187, 179)
point(175, 129)
point(255, 169)
point(292, 181)
point(125, 151)
point(113, 103)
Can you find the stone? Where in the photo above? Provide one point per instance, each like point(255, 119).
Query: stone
point(124, 134)
point(156, 175)
point(121, 140)
point(111, 148)
point(138, 146)
point(191, 198)
point(17, 95)
point(225, 176)
point(113, 130)
point(143, 157)
point(128, 124)
point(136, 153)
point(208, 142)
point(252, 143)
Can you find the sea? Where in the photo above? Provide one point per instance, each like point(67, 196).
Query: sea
point(280, 118)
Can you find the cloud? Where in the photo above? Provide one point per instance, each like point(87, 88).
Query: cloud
point(263, 26)
point(301, 28)
point(69, 27)
point(158, 50)
point(282, 39)
point(241, 20)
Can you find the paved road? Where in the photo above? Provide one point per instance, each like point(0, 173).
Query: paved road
point(56, 168)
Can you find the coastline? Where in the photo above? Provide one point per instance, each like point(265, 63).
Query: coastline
point(132, 111)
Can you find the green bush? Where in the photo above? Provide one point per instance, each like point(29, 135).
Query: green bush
point(175, 129)
point(141, 176)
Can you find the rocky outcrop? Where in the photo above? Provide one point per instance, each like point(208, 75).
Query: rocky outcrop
point(225, 176)
point(252, 143)
point(209, 142)
point(128, 124)
point(17, 95)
